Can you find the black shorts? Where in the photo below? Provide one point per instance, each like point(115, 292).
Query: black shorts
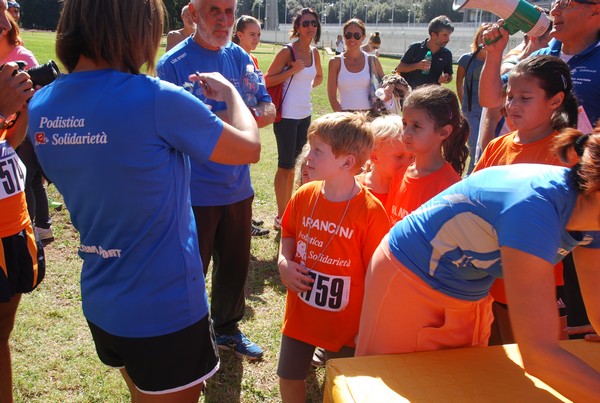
point(22, 264)
point(290, 135)
point(295, 357)
point(162, 364)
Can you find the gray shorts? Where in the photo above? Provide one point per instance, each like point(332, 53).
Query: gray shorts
point(295, 357)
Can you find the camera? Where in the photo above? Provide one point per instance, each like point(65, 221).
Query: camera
point(44, 74)
point(40, 75)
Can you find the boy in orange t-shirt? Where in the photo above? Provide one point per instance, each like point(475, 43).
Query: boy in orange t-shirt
point(330, 229)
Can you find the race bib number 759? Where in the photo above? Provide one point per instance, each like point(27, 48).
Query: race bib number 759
point(328, 292)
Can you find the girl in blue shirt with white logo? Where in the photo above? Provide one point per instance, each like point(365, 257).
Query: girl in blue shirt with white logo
point(428, 283)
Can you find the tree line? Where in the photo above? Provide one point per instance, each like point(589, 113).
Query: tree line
point(44, 14)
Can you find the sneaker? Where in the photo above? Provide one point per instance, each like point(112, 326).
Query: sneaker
point(45, 234)
point(258, 231)
point(319, 358)
point(277, 223)
point(242, 347)
point(258, 223)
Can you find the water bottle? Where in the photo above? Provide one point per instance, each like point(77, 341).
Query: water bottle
point(428, 57)
point(250, 83)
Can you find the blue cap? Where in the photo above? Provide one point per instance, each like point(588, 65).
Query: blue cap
point(13, 4)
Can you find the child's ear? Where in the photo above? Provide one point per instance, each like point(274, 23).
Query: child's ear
point(349, 161)
point(374, 156)
point(556, 101)
point(446, 131)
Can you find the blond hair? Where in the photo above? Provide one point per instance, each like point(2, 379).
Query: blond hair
point(386, 129)
point(346, 133)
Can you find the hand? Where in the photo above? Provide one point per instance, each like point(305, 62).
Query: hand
point(296, 66)
point(444, 78)
point(16, 89)
point(424, 65)
point(214, 85)
point(590, 334)
point(294, 276)
point(495, 38)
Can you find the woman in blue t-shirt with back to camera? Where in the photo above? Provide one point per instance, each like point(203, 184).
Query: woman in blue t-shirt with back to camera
point(427, 287)
point(118, 144)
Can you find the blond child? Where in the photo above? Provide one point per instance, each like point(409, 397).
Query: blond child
point(389, 156)
point(330, 229)
point(301, 167)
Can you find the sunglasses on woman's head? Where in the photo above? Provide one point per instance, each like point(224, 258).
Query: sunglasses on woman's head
point(349, 35)
point(306, 23)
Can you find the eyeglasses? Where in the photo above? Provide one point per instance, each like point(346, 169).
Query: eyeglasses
point(356, 35)
point(565, 3)
point(307, 23)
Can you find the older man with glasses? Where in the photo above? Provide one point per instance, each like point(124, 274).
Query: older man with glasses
point(576, 40)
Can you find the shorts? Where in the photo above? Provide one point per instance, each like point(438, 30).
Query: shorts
point(22, 264)
point(291, 136)
point(295, 358)
point(162, 364)
point(403, 314)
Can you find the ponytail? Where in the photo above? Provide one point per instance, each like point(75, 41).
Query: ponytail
point(441, 105)
point(583, 150)
point(566, 115)
point(454, 147)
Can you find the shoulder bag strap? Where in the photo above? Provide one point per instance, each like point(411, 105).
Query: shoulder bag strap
point(291, 48)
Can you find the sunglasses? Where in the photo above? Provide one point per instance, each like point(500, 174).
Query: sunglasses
point(356, 35)
point(307, 23)
point(565, 3)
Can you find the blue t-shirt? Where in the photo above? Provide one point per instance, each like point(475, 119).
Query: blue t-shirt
point(116, 145)
point(453, 241)
point(213, 184)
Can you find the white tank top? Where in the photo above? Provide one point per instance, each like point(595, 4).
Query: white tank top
point(297, 102)
point(354, 87)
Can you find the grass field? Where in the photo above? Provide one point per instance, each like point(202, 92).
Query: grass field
point(53, 354)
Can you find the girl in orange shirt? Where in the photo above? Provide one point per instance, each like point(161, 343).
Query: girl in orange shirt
point(436, 131)
point(539, 103)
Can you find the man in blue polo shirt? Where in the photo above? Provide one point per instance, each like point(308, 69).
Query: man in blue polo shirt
point(576, 40)
point(416, 69)
point(221, 194)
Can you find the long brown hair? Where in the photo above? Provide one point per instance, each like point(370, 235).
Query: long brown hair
point(441, 105)
point(13, 36)
point(573, 146)
point(122, 33)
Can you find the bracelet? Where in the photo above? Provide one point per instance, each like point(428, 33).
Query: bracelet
point(7, 125)
point(281, 261)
